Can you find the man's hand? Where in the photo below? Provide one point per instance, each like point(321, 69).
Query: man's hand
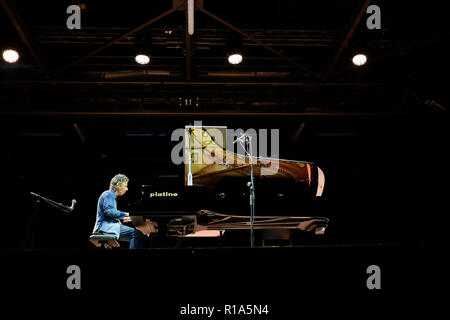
point(126, 219)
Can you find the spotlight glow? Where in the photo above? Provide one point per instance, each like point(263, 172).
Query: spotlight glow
point(10, 55)
point(142, 59)
point(235, 58)
point(359, 59)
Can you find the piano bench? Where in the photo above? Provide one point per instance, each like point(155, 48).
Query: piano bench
point(106, 240)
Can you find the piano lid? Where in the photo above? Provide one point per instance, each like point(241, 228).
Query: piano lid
point(208, 162)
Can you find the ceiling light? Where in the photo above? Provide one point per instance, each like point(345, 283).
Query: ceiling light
point(235, 58)
point(359, 59)
point(10, 55)
point(142, 58)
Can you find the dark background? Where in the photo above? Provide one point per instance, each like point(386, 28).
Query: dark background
point(70, 119)
point(383, 175)
point(378, 132)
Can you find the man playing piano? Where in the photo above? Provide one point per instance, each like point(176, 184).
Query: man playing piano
point(109, 219)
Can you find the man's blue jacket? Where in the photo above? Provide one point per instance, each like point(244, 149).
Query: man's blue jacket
point(107, 214)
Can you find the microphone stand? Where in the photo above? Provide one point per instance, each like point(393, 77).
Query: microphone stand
point(30, 234)
point(31, 226)
point(243, 139)
point(53, 203)
point(189, 181)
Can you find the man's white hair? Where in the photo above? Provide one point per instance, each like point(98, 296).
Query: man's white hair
point(118, 179)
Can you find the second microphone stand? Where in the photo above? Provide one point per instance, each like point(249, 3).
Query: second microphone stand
point(31, 226)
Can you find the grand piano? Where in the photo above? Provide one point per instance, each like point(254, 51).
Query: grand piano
point(214, 194)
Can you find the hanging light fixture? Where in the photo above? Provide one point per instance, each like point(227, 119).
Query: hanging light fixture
point(235, 50)
point(142, 58)
point(143, 43)
point(10, 55)
point(359, 59)
point(235, 58)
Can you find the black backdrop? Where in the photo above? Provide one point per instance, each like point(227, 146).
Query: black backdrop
point(384, 174)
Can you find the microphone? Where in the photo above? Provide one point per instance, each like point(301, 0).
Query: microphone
point(73, 205)
point(243, 135)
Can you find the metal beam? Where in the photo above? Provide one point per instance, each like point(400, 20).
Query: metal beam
point(23, 33)
point(219, 83)
point(79, 132)
point(347, 37)
point(111, 42)
point(159, 113)
point(297, 133)
point(246, 35)
point(188, 52)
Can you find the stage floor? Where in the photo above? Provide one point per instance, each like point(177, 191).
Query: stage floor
point(170, 279)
